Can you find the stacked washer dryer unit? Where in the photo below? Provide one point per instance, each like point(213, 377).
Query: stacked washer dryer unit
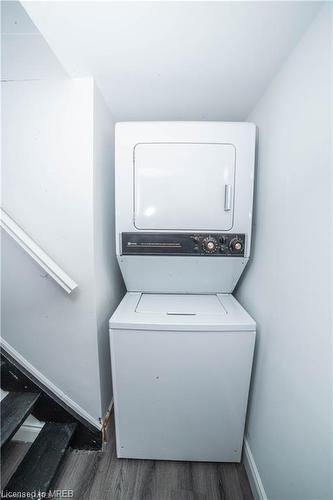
point(181, 345)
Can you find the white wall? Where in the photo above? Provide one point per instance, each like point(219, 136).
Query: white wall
point(25, 56)
point(109, 283)
point(287, 286)
point(51, 166)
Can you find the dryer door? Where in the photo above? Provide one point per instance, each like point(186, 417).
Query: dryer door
point(184, 186)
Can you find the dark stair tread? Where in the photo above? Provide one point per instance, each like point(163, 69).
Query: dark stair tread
point(40, 464)
point(15, 408)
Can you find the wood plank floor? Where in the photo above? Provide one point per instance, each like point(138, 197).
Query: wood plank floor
point(101, 476)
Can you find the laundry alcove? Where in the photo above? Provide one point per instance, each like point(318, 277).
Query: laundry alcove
point(70, 72)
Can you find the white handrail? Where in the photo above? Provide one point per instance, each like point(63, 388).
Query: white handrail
point(36, 252)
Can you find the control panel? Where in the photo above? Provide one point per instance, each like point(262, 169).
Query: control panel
point(204, 244)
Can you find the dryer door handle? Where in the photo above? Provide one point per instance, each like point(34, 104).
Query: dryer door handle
point(227, 197)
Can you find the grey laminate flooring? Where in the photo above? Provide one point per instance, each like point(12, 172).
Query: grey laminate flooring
point(102, 476)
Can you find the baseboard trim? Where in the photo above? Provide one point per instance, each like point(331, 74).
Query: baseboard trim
point(28, 432)
point(49, 385)
point(253, 475)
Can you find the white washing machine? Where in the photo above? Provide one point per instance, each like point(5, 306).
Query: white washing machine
point(181, 345)
point(181, 371)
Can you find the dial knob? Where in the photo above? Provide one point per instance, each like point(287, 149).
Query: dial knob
point(209, 245)
point(236, 245)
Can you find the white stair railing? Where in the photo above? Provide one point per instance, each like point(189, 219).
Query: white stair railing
point(34, 250)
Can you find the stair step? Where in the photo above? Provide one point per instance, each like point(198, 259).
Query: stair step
point(39, 466)
point(15, 408)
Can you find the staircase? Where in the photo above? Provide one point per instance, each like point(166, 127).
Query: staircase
point(33, 397)
point(63, 428)
point(38, 468)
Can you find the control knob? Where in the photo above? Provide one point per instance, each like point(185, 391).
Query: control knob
point(209, 245)
point(236, 245)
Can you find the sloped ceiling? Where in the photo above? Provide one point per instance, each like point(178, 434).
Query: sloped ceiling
point(25, 53)
point(174, 60)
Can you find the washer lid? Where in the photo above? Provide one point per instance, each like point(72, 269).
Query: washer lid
point(173, 304)
point(192, 312)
